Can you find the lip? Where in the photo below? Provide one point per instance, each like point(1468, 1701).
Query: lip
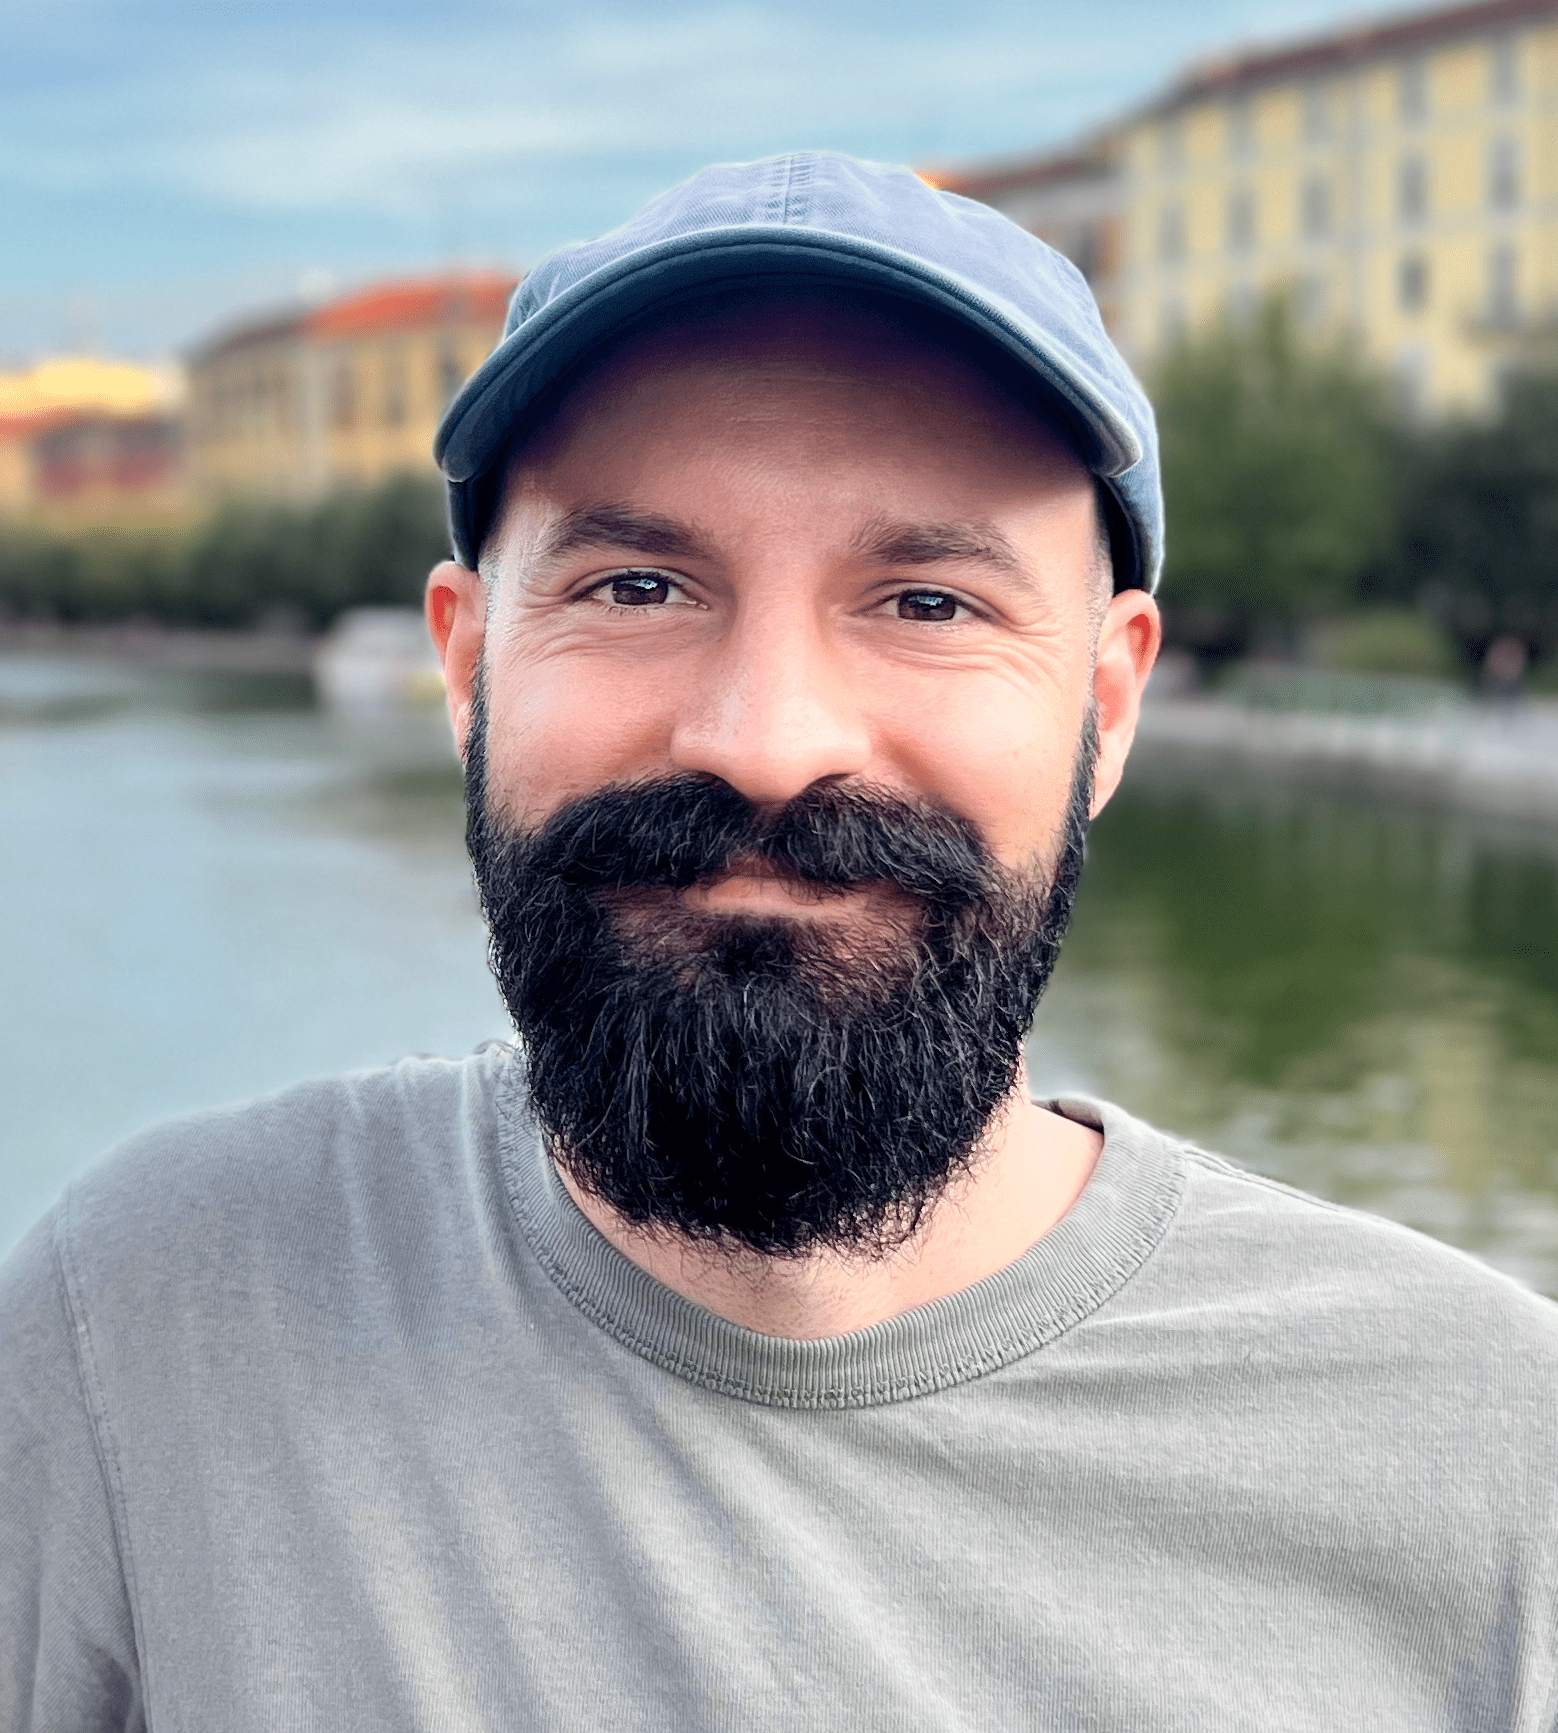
point(756, 885)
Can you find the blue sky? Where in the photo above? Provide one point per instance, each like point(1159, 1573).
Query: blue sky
point(165, 167)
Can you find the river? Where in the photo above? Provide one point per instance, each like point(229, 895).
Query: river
point(212, 888)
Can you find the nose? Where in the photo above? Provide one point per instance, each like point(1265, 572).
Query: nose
point(775, 711)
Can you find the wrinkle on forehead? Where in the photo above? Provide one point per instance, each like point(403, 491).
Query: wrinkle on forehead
point(889, 541)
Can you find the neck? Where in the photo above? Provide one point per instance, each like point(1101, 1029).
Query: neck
point(1031, 1168)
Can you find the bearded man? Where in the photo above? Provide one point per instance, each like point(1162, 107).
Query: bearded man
point(745, 1347)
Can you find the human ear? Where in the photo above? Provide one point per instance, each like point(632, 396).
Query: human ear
point(1128, 643)
point(456, 609)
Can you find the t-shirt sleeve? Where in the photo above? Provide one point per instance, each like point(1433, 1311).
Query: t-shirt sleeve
point(67, 1642)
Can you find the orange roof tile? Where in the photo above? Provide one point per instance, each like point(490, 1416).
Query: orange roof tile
point(1399, 35)
point(477, 295)
point(26, 428)
point(1025, 174)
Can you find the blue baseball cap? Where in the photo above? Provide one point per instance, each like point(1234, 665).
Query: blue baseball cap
point(817, 217)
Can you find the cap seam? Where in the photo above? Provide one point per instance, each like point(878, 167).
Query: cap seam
point(797, 190)
point(773, 204)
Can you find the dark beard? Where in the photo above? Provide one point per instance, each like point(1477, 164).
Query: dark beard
point(784, 1084)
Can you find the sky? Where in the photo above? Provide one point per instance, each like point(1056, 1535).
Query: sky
point(167, 168)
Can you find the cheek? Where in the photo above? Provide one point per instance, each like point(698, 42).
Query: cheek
point(559, 728)
point(1000, 753)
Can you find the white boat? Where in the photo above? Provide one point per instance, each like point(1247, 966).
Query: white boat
point(377, 659)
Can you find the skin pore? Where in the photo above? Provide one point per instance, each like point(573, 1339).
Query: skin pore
point(786, 542)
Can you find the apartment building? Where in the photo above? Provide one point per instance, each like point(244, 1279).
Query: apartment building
point(339, 395)
point(85, 440)
point(1399, 180)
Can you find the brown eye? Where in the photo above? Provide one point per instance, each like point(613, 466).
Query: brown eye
point(927, 605)
point(640, 589)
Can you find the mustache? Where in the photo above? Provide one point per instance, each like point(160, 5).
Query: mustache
point(676, 832)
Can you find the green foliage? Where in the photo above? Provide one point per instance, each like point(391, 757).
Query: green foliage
point(1278, 472)
point(1479, 535)
point(1385, 640)
point(1295, 500)
point(246, 564)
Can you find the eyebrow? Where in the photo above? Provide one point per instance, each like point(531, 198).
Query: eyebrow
point(890, 542)
point(595, 526)
point(883, 541)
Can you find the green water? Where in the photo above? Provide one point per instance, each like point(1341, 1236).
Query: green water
point(1354, 995)
point(209, 889)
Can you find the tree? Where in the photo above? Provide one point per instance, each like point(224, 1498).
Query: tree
point(239, 567)
point(1279, 474)
point(1479, 541)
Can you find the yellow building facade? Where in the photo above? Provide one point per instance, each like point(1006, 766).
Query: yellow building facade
point(1399, 181)
point(342, 395)
point(85, 439)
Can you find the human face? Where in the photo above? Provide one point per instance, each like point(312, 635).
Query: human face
point(792, 545)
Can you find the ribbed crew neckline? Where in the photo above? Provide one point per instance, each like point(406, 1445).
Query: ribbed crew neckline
point(1086, 1257)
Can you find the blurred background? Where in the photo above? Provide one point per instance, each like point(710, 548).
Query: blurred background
point(251, 253)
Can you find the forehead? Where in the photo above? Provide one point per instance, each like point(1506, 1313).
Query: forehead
point(788, 357)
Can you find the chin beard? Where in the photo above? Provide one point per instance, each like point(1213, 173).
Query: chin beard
point(784, 1084)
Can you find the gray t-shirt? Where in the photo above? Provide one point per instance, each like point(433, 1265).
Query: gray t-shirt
point(333, 1412)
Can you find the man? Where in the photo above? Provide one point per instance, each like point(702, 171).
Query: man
point(747, 1349)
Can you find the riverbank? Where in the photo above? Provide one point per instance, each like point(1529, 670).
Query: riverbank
point(165, 649)
point(1500, 759)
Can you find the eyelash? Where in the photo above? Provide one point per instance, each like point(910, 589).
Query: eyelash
point(966, 611)
point(599, 589)
point(626, 573)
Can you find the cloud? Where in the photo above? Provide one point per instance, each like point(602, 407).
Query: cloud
point(386, 115)
point(180, 159)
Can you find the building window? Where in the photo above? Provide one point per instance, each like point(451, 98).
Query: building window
point(1314, 207)
point(1503, 287)
point(450, 374)
point(1172, 143)
point(1309, 301)
point(1504, 70)
point(1504, 174)
point(1085, 249)
point(1412, 283)
point(1171, 233)
point(1412, 90)
point(394, 389)
point(1241, 219)
point(1241, 126)
point(1239, 305)
point(1411, 370)
point(1412, 189)
point(343, 395)
point(1317, 112)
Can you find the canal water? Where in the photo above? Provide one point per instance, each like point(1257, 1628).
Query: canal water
point(210, 888)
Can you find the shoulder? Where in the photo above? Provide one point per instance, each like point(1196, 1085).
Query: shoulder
point(1317, 1293)
point(1361, 1365)
point(1329, 1256)
point(1233, 1226)
point(287, 1176)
